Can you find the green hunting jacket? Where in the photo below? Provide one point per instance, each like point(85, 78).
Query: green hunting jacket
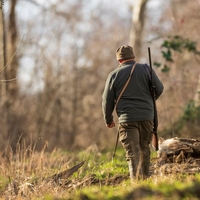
point(136, 102)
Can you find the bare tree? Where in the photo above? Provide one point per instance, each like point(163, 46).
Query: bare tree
point(11, 69)
point(9, 66)
point(138, 18)
point(2, 57)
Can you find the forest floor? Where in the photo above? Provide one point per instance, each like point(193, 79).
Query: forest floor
point(57, 176)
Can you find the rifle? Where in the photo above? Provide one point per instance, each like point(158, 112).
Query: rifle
point(155, 120)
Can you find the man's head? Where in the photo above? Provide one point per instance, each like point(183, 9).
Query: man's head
point(124, 52)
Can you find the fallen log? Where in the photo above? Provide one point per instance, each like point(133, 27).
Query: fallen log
point(176, 145)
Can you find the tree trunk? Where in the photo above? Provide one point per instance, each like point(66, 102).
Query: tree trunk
point(74, 106)
point(12, 67)
point(2, 57)
point(197, 94)
point(12, 119)
point(137, 26)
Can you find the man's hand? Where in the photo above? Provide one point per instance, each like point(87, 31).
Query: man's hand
point(110, 125)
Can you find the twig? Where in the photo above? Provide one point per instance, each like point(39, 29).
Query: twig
point(10, 80)
point(67, 173)
point(14, 53)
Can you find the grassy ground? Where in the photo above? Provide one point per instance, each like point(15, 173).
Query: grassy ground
point(28, 175)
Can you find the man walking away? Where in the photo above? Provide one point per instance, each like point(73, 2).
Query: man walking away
point(135, 109)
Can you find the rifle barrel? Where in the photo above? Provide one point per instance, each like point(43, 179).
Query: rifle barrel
point(155, 120)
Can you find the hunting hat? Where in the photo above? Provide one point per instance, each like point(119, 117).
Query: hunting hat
point(124, 52)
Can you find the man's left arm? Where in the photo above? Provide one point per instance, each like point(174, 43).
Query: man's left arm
point(158, 85)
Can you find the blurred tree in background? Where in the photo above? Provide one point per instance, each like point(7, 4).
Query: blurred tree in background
point(62, 53)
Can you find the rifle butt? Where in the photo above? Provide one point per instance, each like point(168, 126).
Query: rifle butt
point(155, 141)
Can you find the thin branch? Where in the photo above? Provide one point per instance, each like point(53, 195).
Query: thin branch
point(13, 54)
point(10, 80)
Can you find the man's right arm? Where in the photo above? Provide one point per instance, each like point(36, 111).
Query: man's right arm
point(108, 101)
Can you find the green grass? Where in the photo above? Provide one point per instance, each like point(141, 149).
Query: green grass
point(107, 179)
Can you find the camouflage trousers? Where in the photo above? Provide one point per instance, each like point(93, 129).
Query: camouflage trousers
point(135, 138)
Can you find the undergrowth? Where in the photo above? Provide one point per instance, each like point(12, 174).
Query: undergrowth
point(28, 175)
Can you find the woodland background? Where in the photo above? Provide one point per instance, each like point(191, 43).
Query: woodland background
point(55, 57)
